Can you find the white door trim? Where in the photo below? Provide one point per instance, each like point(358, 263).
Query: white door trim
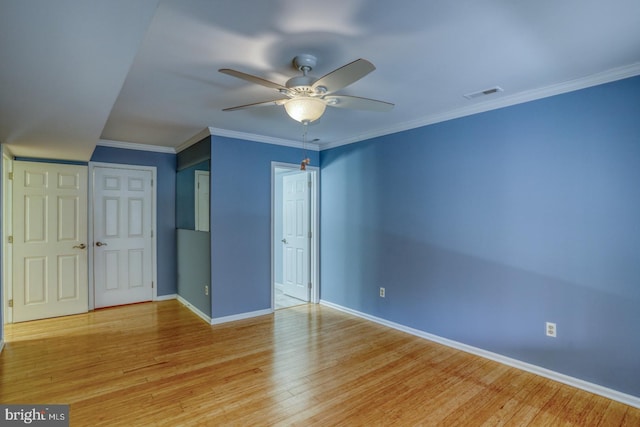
point(154, 244)
point(7, 230)
point(314, 227)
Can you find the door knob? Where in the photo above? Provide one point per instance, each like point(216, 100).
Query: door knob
point(284, 241)
point(100, 244)
point(80, 246)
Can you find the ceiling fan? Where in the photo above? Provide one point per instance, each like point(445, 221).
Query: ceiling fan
point(306, 97)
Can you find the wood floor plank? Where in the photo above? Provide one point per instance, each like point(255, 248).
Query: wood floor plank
point(157, 364)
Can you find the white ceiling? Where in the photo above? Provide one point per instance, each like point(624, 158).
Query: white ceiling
point(74, 72)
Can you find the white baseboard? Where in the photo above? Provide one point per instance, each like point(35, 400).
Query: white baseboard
point(166, 297)
point(233, 318)
point(543, 372)
point(225, 319)
point(194, 309)
point(1, 345)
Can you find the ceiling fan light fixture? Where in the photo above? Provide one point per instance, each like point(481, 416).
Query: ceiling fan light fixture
point(305, 109)
point(306, 97)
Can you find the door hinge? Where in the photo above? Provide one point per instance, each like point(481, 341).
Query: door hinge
point(10, 303)
point(309, 285)
point(309, 184)
point(310, 235)
point(10, 239)
point(153, 285)
point(10, 175)
point(152, 233)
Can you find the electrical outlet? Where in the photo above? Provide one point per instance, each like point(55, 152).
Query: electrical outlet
point(551, 329)
point(206, 289)
point(382, 293)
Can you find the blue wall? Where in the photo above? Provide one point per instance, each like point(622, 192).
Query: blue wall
point(166, 202)
point(241, 222)
point(483, 228)
point(194, 268)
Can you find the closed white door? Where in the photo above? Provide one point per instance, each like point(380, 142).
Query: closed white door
point(122, 234)
point(296, 238)
point(49, 240)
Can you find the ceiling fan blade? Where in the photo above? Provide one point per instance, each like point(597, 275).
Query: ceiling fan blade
point(357, 103)
point(253, 79)
point(257, 104)
point(344, 76)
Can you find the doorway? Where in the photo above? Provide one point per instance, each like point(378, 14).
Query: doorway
point(294, 231)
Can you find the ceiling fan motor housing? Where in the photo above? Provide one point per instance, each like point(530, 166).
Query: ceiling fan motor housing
point(301, 83)
point(305, 62)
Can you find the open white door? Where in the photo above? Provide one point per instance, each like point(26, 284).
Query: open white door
point(123, 236)
point(49, 240)
point(296, 239)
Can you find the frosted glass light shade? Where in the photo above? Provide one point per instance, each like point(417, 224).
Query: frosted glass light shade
point(305, 109)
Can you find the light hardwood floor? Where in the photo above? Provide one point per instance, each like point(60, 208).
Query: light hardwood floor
point(159, 364)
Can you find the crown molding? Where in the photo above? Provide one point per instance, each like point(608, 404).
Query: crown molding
point(136, 146)
point(6, 151)
point(194, 139)
point(506, 101)
point(261, 138)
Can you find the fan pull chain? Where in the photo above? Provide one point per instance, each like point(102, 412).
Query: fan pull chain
point(306, 160)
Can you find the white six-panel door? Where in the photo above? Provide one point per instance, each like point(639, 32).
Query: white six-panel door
point(49, 240)
point(296, 240)
point(122, 234)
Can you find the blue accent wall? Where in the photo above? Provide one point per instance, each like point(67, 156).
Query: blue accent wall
point(166, 202)
point(194, 268)
point(483, 228)
point(241, 222)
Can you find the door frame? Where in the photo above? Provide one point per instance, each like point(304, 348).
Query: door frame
point(7, 230)
point(314, 207)
point(154, 233)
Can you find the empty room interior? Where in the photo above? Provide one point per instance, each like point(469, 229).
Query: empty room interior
point(320, 213)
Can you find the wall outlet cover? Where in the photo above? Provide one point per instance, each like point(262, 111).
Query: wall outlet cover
point(551, 329)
